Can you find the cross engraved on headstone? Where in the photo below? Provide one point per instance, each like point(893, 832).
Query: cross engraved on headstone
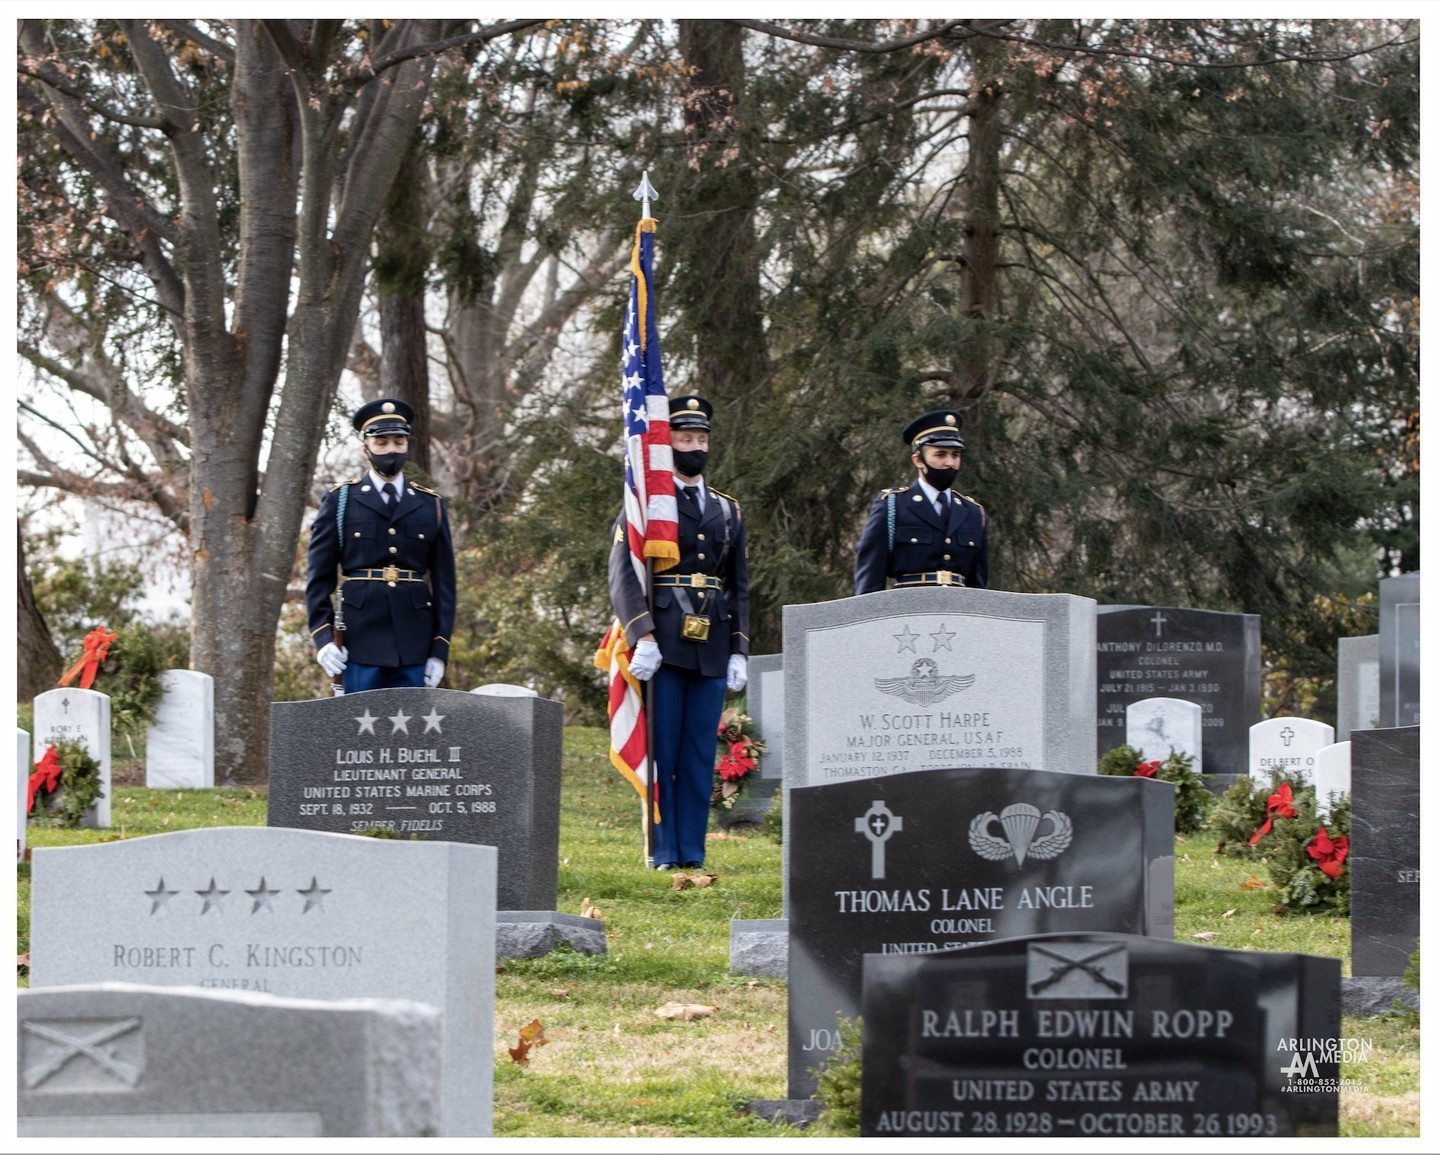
point(1286, 734)
point(878, 824)
point(1159, 619)
point(90, 1045)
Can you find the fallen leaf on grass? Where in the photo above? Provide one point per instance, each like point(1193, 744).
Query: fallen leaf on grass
point(1205, 935)
point(22, 960)
point(685, 881)
point(1257, 930)
point(1229, 913)
point(531, 1035)
point(589, 911)
point(1254, 882)
point(561, 992)
point(718, 836)
point(685, 1012)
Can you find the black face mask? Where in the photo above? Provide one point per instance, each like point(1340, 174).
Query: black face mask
point(940, 478)
point(387, 464)
point(690, 462)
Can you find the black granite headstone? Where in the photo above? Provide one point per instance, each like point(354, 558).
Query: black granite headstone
point(936, 859)
point(1203, 656)
point(435, 764)
point(1384, 849)
point(1100, 1035)
point(1400, 650)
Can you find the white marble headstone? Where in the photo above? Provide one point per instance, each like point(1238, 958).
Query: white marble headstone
point(180, 746)
point(1288, 745)
point(68, 714)
point(23, 769)
point(295, 913)
point(1332, 774)
point(1156, 726)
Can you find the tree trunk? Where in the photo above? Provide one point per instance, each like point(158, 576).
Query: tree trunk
point(39, 661)
point(718, 283)
point(402, 261)
point(975, 362)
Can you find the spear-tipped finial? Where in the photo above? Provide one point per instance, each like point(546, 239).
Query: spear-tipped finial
point(646, 193)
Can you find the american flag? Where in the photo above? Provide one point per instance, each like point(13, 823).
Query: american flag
point(651, 525)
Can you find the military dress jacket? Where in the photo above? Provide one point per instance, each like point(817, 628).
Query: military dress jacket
point(396, 618)
point(923, 543)
point(702, 551)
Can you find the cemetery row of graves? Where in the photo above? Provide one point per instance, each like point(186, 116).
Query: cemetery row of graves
point(1006, 923)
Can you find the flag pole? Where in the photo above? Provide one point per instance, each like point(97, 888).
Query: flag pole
point(644, 194)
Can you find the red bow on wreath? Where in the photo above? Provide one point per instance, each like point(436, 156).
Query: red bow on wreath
point(1147, 769)
point(734, 765)
point(46, 777)
point(97, 647)
point(1278, 806)
point(1329, 853)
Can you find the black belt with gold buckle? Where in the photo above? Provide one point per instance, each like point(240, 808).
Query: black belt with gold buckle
point(389, 573)
point(940, 577)
point(693, 581)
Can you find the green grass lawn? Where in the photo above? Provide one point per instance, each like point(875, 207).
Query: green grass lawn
point(610, 1066)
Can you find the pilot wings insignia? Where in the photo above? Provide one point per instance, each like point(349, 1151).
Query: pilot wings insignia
point(925, 684)
point(1019, 825)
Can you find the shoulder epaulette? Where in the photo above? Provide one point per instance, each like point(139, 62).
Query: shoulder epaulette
point(894, 489)
point(343, 484)
point(728, 497)
point(422, 488)
point(971, 500)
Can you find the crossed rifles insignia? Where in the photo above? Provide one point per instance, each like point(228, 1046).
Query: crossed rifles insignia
point(72, 1043)
point(1096, 973)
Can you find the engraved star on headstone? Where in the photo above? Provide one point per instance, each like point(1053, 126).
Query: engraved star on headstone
point(367, 722)
point(212, 896)
point(400, 721)
point(906, 639)
point(262, 897)
point(942, 638)
point(315, 896)
point(160, 897)
point(433, 720)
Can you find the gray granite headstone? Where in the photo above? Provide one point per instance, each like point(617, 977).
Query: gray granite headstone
point(1332, 775)
point(1288, 745)
point(296, 913)
point(120, 1059)
point(505, 690)
point(1203, 656)
point(914, 863)
point(765, 703)
point(1384, 849)
point(1100, 1037)
point(23, 769)
point(433, 764)
point(1357, 686)
point(1400, 650)
point(180, 743)
point(1158, 727)
point(69, 714)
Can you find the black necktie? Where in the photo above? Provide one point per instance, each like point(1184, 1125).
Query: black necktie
point(944, 500)
point(692, 494)
point(391, 498)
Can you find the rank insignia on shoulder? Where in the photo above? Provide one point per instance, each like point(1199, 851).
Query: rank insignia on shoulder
point(422, 488)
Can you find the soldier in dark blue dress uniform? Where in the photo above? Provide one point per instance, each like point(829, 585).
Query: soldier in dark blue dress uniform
point(387, 541)
point(693, 643)
point(925, 534)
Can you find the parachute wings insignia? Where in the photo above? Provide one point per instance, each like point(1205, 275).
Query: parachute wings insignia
point(925, 684)
point(1019, 823)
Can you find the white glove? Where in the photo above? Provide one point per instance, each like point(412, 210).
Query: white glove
point(738, 673)
point(332, 659)
point(434, 671)
point(645, 660)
